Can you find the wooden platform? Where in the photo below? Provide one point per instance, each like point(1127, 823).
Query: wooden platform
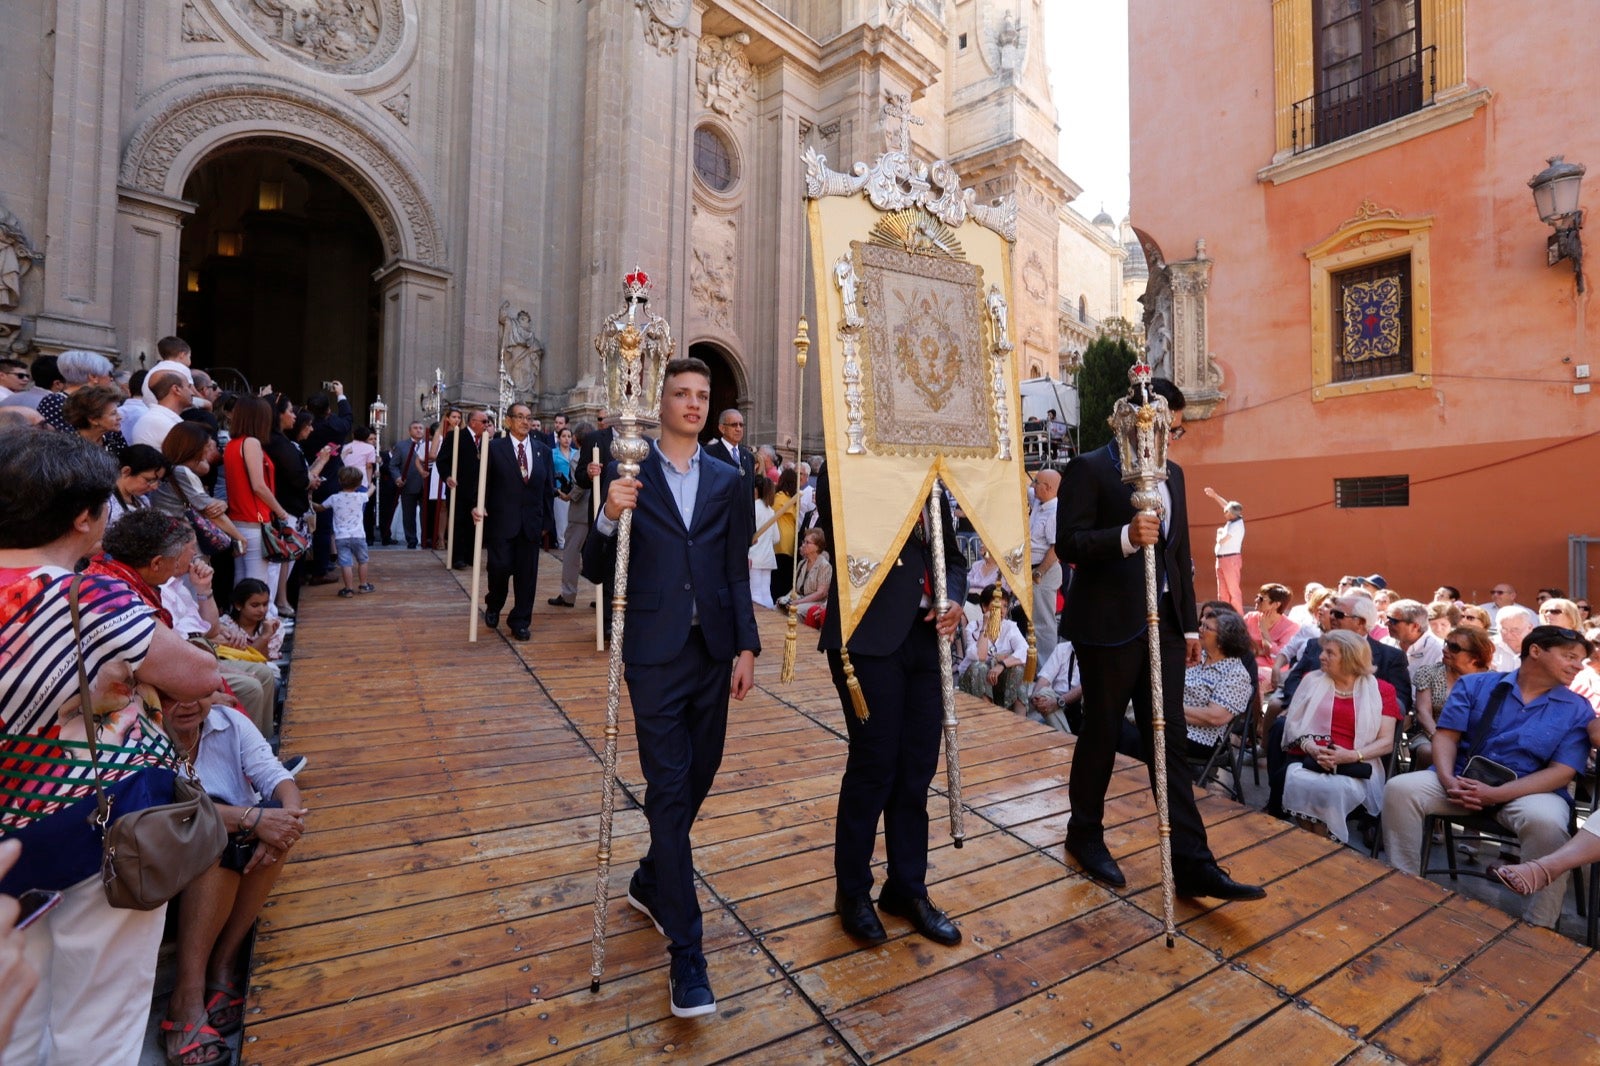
point(439, 910)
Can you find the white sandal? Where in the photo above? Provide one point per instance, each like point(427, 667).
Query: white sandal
point(1511, 877)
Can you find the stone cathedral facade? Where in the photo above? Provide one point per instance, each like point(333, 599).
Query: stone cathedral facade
point(373, 190)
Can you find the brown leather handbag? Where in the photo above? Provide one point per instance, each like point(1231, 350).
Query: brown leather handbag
point(150, 855)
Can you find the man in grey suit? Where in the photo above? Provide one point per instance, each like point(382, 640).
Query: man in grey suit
point(408, 468)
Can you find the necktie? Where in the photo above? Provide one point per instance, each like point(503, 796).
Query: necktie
point(522, 460)
point(411, 457)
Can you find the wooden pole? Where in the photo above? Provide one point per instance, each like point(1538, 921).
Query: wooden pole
point(599, 590)
point(477, 535)
point(450, 495)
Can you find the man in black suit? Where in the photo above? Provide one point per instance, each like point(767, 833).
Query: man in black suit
point(894, 651)
point(460, 472)
point(1098, 532)
point(689, 644)
point(519, 509)
point(730, 449)
point(408, 473)
point(1356, 613)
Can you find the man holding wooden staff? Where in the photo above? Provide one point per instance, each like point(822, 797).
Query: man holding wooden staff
point(458, 463)
point(690, 642)
point(1099, 532)
point(519, 509)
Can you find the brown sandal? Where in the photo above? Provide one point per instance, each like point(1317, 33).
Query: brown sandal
point(205, 1048)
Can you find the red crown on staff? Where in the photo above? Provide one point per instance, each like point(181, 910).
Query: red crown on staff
point(636, 287)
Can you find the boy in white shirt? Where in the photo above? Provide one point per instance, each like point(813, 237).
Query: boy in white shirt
point(348, 509)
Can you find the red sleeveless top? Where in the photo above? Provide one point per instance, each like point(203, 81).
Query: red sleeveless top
point(243, 504)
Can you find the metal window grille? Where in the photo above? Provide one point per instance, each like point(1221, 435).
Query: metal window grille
point(1387, 491)
point(713, 159)
point(1372, 320)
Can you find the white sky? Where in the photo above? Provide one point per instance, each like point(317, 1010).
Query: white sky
point(1086, 45)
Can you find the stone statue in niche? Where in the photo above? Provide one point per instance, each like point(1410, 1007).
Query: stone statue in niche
point(524, 352)
point(17, 255)
point(723, 74)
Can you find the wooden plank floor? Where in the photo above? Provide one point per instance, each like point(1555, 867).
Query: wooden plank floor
point(439, 911)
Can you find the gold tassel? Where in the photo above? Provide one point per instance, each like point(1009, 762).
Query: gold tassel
point(858, 699)
point(996, 616)
point(1031, 670)
point(791, 640)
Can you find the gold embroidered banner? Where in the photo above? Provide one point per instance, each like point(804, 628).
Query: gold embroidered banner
point(913, 347)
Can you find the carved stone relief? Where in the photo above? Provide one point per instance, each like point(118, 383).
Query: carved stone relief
point(399, 105)
point(723, 74)
point(1194, 369)
point(524, 352)
point(337, 36)
point(150, 155)
point(665, 23)
point(17, 256)
point(194, 26)
point(1033, 277)
point(711, 270)
point(897, 16)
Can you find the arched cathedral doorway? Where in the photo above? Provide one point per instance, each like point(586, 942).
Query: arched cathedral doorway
point(276, 273)
point(726, 388)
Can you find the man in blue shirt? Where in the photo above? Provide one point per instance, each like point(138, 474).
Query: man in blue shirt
point(1528, 721)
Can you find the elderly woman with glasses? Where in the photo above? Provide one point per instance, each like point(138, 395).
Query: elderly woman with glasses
point(1467, 650)
point(1341, 724)
point(1560, 612)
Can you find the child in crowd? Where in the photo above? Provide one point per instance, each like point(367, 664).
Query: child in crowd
point(247, 618)
point(348, 508)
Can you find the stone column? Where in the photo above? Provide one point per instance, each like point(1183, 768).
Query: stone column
point(414, 316)
point(149, 227)
point(1193, 369)
point(81, 206)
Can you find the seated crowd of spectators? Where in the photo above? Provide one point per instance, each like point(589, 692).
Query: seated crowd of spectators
point(152, 502)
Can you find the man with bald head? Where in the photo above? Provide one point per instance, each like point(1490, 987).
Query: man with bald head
point(172, 391)
point(1046, 567)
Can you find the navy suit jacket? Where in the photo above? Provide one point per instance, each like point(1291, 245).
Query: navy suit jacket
point(747, 475)
point(898, 602)
point(517, 508)
point(1390, 664)
point(675, 572)
point(1106, 597)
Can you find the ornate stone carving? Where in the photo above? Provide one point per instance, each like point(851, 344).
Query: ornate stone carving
point(897, 16)
point(1000, 350)
point(711, 270)
point(723, 74)
point(337, 36)
point(1005, 43)
point(399, 105)
point(194, 26)
point(665, 23)
point(829, 131)
point(1033, 277)
point(148, 160)
point(17, 256)
point(524, 352)
point(1194, 369)
point(898, 180)
point(851, 325)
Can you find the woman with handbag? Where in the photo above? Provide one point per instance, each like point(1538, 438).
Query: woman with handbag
point(252, 504)
point(189, 452)
point(1341, 723)
point(261, 808)
point(292, 484)
point(96, 962)
point(564, 458)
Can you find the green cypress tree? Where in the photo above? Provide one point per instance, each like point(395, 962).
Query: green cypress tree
point(1102, 381)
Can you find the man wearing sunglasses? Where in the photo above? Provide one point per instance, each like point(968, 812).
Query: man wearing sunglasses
point(1528, 722)
point(1408, 630)
point(13, 377)
point(1356, 613)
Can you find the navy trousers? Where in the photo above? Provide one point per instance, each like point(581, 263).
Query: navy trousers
point(680, 715)
point(893, 755)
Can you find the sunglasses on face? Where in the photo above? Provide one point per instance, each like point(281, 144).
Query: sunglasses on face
point(1336, 614)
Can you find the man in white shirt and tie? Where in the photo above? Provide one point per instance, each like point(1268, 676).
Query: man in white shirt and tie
point(729, 448)
point(408, 466)
point(518, 510)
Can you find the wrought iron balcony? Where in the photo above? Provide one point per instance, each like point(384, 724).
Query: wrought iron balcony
point(1381, 95)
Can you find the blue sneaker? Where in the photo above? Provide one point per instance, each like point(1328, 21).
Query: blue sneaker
point(643, 901)
point(691, 988)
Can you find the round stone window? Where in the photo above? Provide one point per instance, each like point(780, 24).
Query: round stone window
point(713, 159)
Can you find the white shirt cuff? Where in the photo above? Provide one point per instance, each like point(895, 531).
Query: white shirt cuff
point(603, 524)
point(1127, 544)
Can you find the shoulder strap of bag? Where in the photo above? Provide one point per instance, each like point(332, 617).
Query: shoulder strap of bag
point(1489, 715)
point(102, 816)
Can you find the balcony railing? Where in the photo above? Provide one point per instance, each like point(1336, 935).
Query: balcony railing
point(1378, 96)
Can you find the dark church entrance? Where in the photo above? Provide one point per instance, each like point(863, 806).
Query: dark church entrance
point(725, 392)
point(275, 281)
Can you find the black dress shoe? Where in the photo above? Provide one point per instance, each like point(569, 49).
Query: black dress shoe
point(1209, 879)
point(491, 618)
point(858, 918)
point(557, 601)
point(1094, 858)
point(929, 920)
point(521, 633)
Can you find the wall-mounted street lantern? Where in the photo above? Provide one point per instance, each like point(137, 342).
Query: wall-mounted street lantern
point(1555, 194)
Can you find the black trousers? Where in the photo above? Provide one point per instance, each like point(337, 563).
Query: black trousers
point(461, 554)
point(680, 715)
point(893, 755)
point(1111, 677)
point(513, 561)
point(410, 506)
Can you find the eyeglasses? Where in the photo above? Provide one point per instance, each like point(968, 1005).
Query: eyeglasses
point(1565, 634)
point(1176, 433)
point(1499, 592)
point(1336, 614)
point(1394, 621)
point(1581, 605)
point(1458, 649)
point(1545, 612)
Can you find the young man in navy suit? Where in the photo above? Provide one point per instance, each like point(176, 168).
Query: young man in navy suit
point(689, 642)
point(1100, 534)
point(519, 509)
